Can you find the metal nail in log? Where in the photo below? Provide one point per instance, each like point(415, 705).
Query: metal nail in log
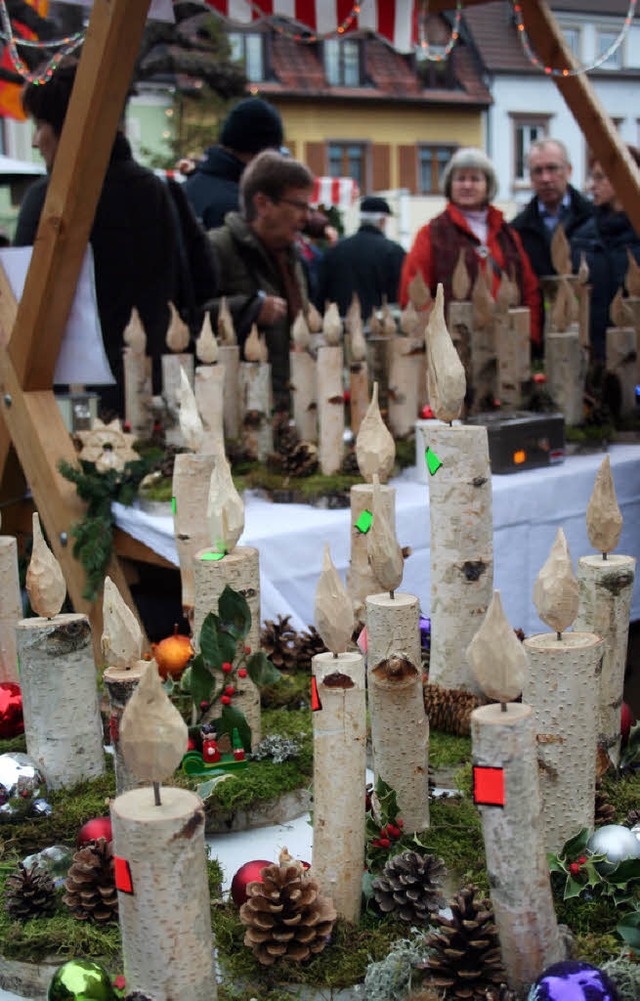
point(339, 749)
point(302, 368)
point(255, 396)
point(605, 583)
point(10, 607)
point(174, 364)
point(460, 509)
point(331, 393)
point(62, 724)
point(506, 792)
point(209, 389)
point(561, 686)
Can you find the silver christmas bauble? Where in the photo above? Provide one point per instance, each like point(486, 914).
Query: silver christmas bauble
point(21, 784)
point(616, 842)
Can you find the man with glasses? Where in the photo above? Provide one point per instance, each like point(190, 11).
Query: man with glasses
point(260, 272)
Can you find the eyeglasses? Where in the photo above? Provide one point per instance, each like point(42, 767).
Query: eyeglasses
point(297, 204)
point(547, 168)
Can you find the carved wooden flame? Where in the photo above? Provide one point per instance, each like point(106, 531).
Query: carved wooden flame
point(389, 325)
point(374, 324)
point(314, 320)
point(446, 382)
point(255, 346)
point(555, 592)
point(483, 304)
point(300, 333)
point(189, 418)
point(383, 552)
point(419, 293)
point(122, 638)
point(565, 309)
point(225, 508)
point(226, 329)
point(619, 313)
point(333, 616)
point(354, 313)
point(583, 269)
point(409, 320)
point(632, 277)
point(516, 297)
point(375, 447)
point(332, 324)
point(153, 735)
point(461, 279)
point(560, 251)
point(604, 518)
point(45, 581)
point(496, 655)
point(357, 341)
point(178, 335)
point(206, 344)
point(134, 335)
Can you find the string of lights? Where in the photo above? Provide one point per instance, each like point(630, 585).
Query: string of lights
point(576, 70)
point(423, 42)
point(308, 36)
point(65, 47)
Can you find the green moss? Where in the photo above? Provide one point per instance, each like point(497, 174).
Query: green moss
point(447, 751)
point(293, 691)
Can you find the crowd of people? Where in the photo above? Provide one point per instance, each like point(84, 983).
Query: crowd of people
point(243, 227)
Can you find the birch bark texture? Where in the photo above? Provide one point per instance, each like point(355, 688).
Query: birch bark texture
point(606, 586)
point(255, 394)
point(120, 684)
point(330, 409)
point(137, 390)
point(303, 394)
point(403, 385)
point(562, 687)
point(460, 510)
point(190, 486)
point(520, 317)
point(172, 367)
point(339, 772)
point(240, 569)
point(566, 372)
point(62, 723)
point(521, 895)
point(229, 359)
point(361, 581)
point(10, 608)
point(165, 921)
point(621, 361)
point(209, 393)
point(358, 394)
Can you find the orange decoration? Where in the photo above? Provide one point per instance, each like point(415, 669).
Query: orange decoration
point(172, 654)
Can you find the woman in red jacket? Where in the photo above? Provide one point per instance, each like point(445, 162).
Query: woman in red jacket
point(472, 224)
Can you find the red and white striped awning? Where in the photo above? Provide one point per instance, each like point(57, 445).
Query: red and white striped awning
point(393, 20)
point(342, 192)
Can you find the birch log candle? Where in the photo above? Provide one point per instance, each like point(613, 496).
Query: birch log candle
point(160, 858)
point(507, 347)
point(420, 303)
point(583, 292)
point(339, 750)
point(173, 364)
point(190, 490)
point(122, 642)
point(506, 792)
point(62, 724)
point(137, 377)
point(255, 395)
point(229, 358)
point(222, 563)
point(302, 366)
point(209, 389)
point(460, 513)
point(331, 394)
point(461, 318)
point(358, 374)
point(562, 688)
point(632, 302)
point(605, 585)
point(10, 608)
point(484, 363)
point(620, 359)
point(565, 354)
point(403, 385)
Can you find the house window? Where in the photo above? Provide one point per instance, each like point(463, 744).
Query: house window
point(342, 64)
point(247, 48)
point(348, 160)
point(436, 74)
point(526, 130)
point(431, 163)
point(572, 39)
point(604, 40)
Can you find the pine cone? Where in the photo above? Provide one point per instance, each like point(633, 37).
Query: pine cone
point(308, 644)
point(605, 811)
point(285, 916)
point(29, 893)
point(466, 958)
point(410, 887)
point(449, 709)
point(501, 994)
point(285, 433)
point(301, 460)
point(278, 640)
point(632, 818)
point(90, 883)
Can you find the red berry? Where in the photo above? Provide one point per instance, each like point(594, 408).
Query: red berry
point(385, 843)
point(582, 860)
point(395, 832)
point(247, 649)
point(383, 832)
point(574, 869)
point(229, 690)
point(376, 843)
point(226, 667)
point(242, 673)
point(399, 822)
point(204, 705)
point(225, 699)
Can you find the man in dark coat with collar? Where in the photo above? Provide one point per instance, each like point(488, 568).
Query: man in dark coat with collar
point(367, 263)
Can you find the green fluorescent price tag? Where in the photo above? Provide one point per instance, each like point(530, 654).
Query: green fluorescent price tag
point(212, 556)
point(363, 524)
point(173, 505)
point(433, 462)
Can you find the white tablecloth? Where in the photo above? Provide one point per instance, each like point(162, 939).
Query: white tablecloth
point(528, 507)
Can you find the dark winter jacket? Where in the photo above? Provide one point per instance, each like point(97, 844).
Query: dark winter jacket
point(214, 187)
point(247, 268)
point(604, 240)
point(367, 263)
point(536, 237)
point(148, 249)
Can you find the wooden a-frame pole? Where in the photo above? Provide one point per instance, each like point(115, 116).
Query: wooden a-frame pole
point(31, 333)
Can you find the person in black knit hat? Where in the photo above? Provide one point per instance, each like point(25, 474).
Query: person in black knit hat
point(213, 188)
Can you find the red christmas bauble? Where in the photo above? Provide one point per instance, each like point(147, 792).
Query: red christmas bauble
point(98, 827)
point(426, 413)
point(11, 721)
point(627, 719)
point(247, 873)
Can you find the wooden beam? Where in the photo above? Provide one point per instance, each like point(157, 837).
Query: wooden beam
point(601, 134)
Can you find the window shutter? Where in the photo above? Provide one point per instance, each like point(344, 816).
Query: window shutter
point(381, 166)
point(408, 164)
point(315, 158)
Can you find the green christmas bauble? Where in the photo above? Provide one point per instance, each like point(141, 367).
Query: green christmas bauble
point(81, 980)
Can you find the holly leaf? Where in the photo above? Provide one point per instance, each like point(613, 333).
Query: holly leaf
point(234, 612)
point(206, 788)
point(575, 846)
point(261, 671)
point(228, 647)
point(232, 719)
point(202, 682)
point(628, 928)
point(209, 647)
point(572, 888)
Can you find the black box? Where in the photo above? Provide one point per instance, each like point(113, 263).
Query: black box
point(522, 440)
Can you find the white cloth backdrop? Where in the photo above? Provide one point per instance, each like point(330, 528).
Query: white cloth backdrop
point(528, 507)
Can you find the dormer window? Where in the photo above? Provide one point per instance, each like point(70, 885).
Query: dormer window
point(247, 47)
point(342, 62)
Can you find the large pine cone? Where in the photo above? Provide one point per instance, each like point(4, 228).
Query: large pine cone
point(279, 642)
point(308, 644)
point(449, 709)
point(29, 893)
point(604, 811)
point(285, 916)
point(90, 883)
point(301, 460)
point(410, 887)
point(466, 959)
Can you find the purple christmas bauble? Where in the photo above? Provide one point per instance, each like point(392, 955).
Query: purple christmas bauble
point(573, 981)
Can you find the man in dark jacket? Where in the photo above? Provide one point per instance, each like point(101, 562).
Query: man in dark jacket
point(366, 263)
point(213, 187)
